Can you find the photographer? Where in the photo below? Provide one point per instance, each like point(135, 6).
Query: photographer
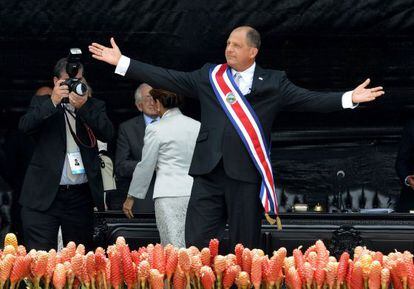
point(56, 192)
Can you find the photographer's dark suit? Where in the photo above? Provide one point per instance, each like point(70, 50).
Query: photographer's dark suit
point(226, 182)
point(128, 154)
point(42, 196)
point(405, 167)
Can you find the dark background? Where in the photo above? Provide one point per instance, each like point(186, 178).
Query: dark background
point(322, 45)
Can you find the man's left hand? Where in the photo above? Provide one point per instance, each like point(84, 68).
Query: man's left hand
point(76, 100)
point(127, 207)
point(364, 94)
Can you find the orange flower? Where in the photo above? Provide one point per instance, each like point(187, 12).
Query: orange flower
point(71, 247)
point(374, 279)
point(9, 250)
point(230, 275)
point(299, 261)
point(184, 260)
point(143, 272)
point(90, 265)
point(385, 278)
point(39, 264)
point(207, 277)
point(220, 264)
point(357, 280)
point(100, 262)
point(308, 272)
point(256, 271)
point(349, 274)
point(172, 261)
point(378, 256)
point(21, 268)
point(21, 250)
point(80, 249)
point(127, 266)
point(214, 248)
point(196, 265)
point(159, 259)
point(120, 241)
point(342, 268)
point(116, 275)
point(59, 276)
point(238, 250)
point(243, 280)
point(193, 251)
point(156, 279)
point(292, 279)
point(11, 239)
point(331, 273)
point(247, 260)
point(205, 256)
point(402, 271)
point(179, 279)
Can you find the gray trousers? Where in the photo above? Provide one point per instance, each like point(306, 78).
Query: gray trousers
point(170, 213)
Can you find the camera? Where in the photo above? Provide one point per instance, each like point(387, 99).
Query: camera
point(72, 68)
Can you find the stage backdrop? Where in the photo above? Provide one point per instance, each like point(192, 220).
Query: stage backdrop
point(322, 45)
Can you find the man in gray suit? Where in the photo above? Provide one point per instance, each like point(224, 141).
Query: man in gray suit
point(129, 150)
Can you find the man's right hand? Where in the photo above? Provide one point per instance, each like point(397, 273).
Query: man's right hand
point(410, 181)
point(107, 54)
point(59, 92)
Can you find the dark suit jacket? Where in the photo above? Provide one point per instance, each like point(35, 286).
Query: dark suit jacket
point(404, 166)
point(46, 124)
point(271, 92)
point(128, 153)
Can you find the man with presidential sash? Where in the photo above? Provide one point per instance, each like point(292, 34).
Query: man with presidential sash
point(233, 178)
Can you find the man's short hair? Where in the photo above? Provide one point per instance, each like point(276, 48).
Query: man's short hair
point(253, 37)
point(138, 93)
point(61, 67)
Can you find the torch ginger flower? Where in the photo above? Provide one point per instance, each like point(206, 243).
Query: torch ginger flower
point(59, 276)
point(207, 277)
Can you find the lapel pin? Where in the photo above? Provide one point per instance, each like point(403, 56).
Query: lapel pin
point(260, 78)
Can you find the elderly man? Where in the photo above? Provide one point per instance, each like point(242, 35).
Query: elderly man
point(129, 151)
point(233, 180)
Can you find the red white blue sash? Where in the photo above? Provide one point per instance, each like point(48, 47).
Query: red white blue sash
point(248, 127)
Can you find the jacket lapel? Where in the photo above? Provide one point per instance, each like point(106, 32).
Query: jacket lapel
point(258, 79)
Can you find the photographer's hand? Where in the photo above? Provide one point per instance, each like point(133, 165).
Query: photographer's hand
point(59, 92)
point(77, 101)
point(107, 54)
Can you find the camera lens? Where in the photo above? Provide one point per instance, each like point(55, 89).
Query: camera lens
point(79, 88)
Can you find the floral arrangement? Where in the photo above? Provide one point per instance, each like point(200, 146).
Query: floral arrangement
point(158, 267)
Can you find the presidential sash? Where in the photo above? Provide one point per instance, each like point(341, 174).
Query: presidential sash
point(247, 125)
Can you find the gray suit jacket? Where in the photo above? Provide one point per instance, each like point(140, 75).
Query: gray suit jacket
point(168, 149)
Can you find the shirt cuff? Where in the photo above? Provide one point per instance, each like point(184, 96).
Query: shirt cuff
point(406, 181)
point(347, 100)
point(123, 65)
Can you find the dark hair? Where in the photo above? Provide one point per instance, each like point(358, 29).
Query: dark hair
point(253, 37)
point(167, 98)
point(61, 67)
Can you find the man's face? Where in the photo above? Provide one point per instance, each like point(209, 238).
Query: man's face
point(239, 54)
point(64, 75)
point(147, 104)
